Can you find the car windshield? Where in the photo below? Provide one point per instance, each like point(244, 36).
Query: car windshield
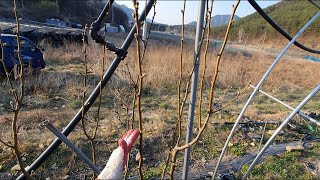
point(23, 42)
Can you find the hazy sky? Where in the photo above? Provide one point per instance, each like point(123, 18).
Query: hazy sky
point(168, 11)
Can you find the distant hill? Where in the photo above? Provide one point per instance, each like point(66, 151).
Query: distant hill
point(291, 15)
point(217, 20)
point(190, 28)
point(128, 11)
point(125, 9)
point(83, 12)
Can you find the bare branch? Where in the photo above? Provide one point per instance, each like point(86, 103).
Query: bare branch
point(6, 143)
point(209, 112)
point(85, 79)
point(180, 106)
point(180, 75)
point(145, 43)
point(137, 35)
point(19, 99)
point(208, 17)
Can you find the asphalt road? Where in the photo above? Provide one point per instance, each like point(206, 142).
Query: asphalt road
point(169, 36)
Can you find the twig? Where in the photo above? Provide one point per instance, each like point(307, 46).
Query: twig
point(6, 143)
point(263, 132)
point(180, 74)
point(183, 102)
point(210, 111)
point(166, 164)
point(219, 57)
point(85, 79)
point(18, 99)
point(231, 101)
point(195, 140)
point(173, 154)
point(191, 72)
point(208, 16)
point(130, 76)
point(145, 43)
point(137, 35)
point(133, 106)
point(178, 127)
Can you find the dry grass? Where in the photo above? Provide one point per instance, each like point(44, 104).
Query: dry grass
point(161, 67)
point(55, 94)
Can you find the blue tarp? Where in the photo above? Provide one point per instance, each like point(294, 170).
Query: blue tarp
point(307, 57)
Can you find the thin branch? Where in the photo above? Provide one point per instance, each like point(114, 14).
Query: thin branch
point(145, 43)
point(180, 106)
point(220, 54)
point(134, 105)
point(173, 155)
point(180, 73)
point(6, 143)
point(231, 101)
point(180, 148)
point(130, 76)
point(137, 35)
point(208, 16)
point(85, 87)
point(19, 99)
point(210, 111)
point(195, 63)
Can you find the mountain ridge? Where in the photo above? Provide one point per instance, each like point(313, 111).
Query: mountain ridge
point(290, 15)
point(217, 20)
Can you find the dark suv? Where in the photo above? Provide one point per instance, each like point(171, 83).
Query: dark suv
point(31, 55)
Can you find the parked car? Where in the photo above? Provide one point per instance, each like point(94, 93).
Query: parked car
point(31, 55)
